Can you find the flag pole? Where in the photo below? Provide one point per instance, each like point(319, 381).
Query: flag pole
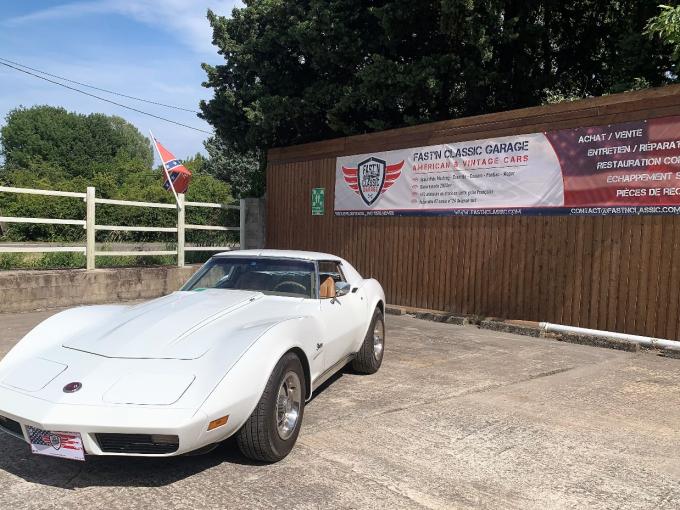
point(165, 169)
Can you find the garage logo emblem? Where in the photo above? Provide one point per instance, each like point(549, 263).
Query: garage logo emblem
point(55, 441)
point(371, 178)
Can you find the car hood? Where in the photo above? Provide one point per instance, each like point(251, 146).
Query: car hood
point(176, 326)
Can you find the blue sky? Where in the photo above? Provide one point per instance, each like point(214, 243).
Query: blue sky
point(146, 48)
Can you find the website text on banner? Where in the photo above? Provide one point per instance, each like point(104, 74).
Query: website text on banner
point(628, 168)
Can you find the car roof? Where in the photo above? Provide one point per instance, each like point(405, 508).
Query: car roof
point(289, 254)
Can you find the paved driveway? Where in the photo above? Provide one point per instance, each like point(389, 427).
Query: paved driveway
point(456, 418)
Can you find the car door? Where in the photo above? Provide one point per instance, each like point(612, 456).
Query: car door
point(342, 316)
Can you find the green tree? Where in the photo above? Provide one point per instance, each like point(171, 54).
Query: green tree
point(239, 169)
point(666, 25)
point(296, 71)
point(76, 144)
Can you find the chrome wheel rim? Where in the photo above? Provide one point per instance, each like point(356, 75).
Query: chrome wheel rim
point(378, 339)
point(288, 404)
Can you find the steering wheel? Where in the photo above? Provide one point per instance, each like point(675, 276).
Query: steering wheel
point(290, 282)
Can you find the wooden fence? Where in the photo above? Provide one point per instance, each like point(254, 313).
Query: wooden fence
point(618, 273)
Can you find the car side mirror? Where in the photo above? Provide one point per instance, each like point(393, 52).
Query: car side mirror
point(342, 288)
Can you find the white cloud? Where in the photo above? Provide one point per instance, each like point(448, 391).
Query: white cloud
point(186, 19)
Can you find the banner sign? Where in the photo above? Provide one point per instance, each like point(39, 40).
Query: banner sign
point(628, 168)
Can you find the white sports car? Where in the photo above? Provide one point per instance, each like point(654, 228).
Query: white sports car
point(237, 351)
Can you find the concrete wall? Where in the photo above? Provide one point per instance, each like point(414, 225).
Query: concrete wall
point(22, 291)
point(254, 223)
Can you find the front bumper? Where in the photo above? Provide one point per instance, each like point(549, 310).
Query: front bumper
point(187, 424)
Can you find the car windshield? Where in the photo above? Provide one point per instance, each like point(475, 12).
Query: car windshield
point(283, 277)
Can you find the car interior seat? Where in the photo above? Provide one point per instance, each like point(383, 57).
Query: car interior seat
point(327, 288)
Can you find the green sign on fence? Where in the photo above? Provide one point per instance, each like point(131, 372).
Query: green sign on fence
point(318, 201)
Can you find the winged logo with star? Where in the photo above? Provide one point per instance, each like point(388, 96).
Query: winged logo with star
point(371, 178)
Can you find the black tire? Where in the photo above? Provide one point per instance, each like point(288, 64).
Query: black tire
point(366, 360)
point(259, 438)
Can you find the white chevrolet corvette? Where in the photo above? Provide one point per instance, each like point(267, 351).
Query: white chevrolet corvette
point(237, 351)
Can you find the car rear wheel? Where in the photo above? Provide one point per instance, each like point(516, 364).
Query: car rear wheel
point(370, 356)
point(271, 431)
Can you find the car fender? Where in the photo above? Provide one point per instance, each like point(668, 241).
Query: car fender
point(54, 330)
point(239, 392)
point(374, 296)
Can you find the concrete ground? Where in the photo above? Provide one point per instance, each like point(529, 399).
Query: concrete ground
point(457, 417)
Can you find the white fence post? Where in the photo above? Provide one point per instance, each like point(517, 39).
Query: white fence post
point(89, 228)
point(242, 224)
point(181, 221)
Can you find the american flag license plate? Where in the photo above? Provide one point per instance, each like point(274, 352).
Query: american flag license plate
point(65, 445)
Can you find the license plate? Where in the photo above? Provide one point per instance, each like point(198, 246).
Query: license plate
point(65, 445)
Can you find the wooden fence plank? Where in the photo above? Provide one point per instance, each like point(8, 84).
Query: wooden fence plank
point(630, 318)
point(596, 271)
point(674, 288)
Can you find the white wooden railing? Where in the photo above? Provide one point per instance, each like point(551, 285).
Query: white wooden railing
point(91, 227)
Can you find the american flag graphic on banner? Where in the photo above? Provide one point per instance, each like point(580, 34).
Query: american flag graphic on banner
point(68, 445)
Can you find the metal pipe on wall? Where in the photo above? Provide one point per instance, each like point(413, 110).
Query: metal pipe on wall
point(645, 341)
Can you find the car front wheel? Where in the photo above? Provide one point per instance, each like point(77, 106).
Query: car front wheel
point(271, 431)
point(370, 355)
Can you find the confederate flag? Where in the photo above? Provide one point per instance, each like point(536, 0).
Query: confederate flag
point(179, 174)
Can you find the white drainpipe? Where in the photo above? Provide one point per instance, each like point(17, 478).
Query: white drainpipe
point(644, 341)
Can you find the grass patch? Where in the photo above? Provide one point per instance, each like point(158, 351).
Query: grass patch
point(72, 260)
point(152, 260)
point(10, 261)
point(66, 260)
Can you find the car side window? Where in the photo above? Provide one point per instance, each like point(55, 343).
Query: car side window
point(330, 273)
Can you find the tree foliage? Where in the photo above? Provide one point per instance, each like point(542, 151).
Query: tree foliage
point(239, 169)
point(296, 71)
point(666, 25)
point(78, 145)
